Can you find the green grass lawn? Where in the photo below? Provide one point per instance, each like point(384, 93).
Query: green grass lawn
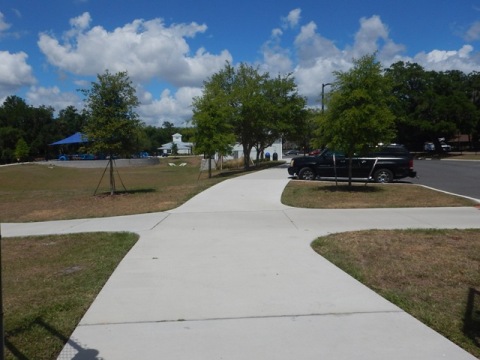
point(48, 284)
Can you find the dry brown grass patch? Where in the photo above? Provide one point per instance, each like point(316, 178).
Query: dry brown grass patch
point(39, 193)
point(326, 195)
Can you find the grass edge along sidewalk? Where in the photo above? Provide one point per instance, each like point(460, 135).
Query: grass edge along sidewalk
point(49, 283)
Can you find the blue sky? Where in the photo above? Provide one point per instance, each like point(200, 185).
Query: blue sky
point(49, 49)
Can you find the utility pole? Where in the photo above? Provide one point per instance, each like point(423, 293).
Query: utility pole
point(323, 96)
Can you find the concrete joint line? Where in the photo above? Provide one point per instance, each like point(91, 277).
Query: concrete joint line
point(290, 219)
point(158, 223)
point(339, 314)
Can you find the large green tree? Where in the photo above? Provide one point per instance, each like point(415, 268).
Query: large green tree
point(283, 111)
point(410, 85)
point(254, 107)
point(70, 121)
point(432, 105)
point(358, 115)
point(112, 126)
point(474, 89)
point(305, 134)
point(21, 150)
point(35, 125)
point(213, 117)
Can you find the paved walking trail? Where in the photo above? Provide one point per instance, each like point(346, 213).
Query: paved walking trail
point(231, 275)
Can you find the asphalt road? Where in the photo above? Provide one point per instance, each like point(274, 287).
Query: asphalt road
point(456, 176)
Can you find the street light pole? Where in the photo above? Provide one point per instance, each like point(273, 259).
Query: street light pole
point(323, 96)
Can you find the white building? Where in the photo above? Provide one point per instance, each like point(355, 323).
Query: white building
point(183, 148)
point(275, 148)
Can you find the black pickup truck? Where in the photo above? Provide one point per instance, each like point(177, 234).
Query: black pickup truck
point(383, 165)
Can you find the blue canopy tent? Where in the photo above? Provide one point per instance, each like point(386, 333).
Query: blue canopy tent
point(76, 138)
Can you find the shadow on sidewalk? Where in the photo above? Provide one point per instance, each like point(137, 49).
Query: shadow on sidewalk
point(72, 351)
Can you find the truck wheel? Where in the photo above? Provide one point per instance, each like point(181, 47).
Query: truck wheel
point(383, 176)
point(306, 173)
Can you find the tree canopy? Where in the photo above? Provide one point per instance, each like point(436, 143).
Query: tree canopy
point(112, 126)
point(432, 105)
point(359, 112)
point(248, 107)
point(35, 125)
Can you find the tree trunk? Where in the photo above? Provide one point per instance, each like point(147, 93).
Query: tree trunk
point(209, 166)
point(246, 157)
point(350, 171)
point(112, 177)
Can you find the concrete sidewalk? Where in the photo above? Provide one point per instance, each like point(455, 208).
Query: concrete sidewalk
point(231, 275)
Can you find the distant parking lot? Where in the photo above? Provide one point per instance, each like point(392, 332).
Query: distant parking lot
point(457, 176)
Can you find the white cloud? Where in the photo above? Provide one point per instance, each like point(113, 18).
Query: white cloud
point(275, 58)
point(81, 22)
point(14, 73)
point(149, 50)
point(276, 62)
point(473, 33)
point(146, 49)
point(292, 19)
point(38, 96)
point(3, 23)
point(276, 33)
point(17, 13)
point(5, 27)
point(154, 53)
point(463, 59)
point(367, 38)
point(174, 108)
point(311, 46)
point(310, 79)
point(319, 57)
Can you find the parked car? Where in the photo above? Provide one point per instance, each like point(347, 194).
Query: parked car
point(291, 152)
point(430, 147)
point(382, 165)
point(315, 152)
point(88, 157)
point(64, 157)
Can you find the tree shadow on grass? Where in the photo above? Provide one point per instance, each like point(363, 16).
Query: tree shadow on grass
point(471, 325)
point(126, 192)
point(344, 188)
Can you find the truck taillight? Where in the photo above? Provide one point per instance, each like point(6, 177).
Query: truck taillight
point(410, 163)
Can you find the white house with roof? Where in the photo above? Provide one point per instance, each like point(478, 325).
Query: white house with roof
point(274, 151)
point(183, 148)
point(275, 148)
